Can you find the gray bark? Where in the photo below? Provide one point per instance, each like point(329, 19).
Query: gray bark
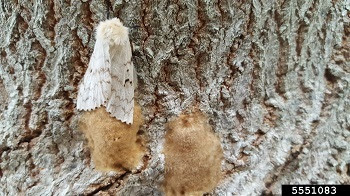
point(273, 77)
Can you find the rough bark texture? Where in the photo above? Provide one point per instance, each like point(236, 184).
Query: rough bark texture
point(273, 77)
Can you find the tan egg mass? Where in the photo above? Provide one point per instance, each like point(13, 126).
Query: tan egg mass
point(193, 156)
point(114, 146)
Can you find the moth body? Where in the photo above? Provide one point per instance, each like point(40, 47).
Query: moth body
point(108, 80)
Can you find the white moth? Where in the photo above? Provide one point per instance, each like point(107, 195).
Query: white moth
point(108, 80)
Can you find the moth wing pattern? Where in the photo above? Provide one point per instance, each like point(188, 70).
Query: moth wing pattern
point(95, 89)
point(109, 78)
point(121, 102)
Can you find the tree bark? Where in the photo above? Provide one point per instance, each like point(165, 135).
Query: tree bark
point(272, 76)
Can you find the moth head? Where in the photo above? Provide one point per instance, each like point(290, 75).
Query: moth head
point(113, 31)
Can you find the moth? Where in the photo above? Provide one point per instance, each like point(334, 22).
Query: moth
point(109, 78)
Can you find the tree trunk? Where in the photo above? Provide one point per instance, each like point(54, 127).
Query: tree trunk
point(272, 76)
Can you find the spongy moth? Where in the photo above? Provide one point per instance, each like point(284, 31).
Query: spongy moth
point(109, 78)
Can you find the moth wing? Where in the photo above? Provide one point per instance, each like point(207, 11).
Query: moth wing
point(95, 88)
point(121, 102)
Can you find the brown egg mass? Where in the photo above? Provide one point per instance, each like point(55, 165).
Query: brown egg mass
point(114, 145)
point(193, 156)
